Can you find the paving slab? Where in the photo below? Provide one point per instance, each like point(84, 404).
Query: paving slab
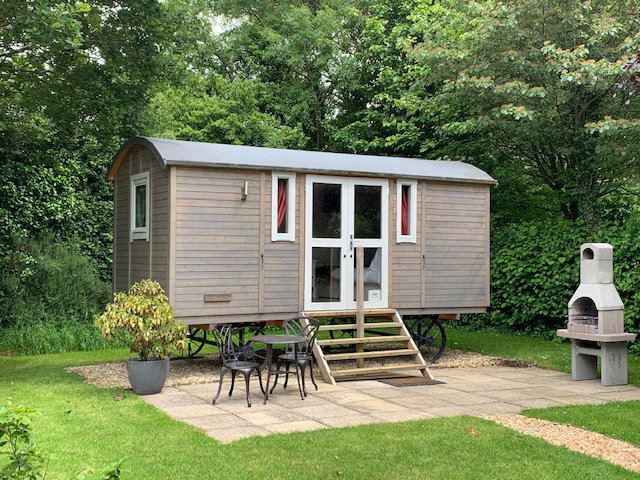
point(478, 391)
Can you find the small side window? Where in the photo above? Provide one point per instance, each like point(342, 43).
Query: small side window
point(283, 207)
point(407, 210)
point(140, 206)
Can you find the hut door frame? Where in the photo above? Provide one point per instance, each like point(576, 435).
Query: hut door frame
point(336, 254)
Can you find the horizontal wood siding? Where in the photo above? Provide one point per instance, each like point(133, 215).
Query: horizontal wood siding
point(217, 241)
point(456, 246)
point(159, 223)
point(281, 261)
point(140, 259)
point(121, 225)
point(406, 258)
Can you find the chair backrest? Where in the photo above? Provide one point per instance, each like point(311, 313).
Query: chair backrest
point(228, 341)
point(302, 326)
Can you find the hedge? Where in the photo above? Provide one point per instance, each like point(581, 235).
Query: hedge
point(535, 268)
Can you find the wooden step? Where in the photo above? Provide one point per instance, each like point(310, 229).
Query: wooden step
point(359, 340)
point(353, 326)
point(332, 357)
point(372, 312)
point(376, 370)
point(408, 350)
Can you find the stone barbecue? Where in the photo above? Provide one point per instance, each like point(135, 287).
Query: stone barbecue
point(596, 320)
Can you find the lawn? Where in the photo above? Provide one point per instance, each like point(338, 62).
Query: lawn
point(616, 419)
point(82, 425)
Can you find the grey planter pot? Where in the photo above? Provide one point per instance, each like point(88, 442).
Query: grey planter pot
point(147, 377)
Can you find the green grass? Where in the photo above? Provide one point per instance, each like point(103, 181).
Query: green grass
point(543, 353)
point(39, 338)
point(616, 419)
point(83, 425)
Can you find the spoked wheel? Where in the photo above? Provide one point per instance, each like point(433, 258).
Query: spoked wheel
point(197, 340)
point(257, 351)
point(430, 338)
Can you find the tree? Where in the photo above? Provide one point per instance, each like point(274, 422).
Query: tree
point(74, 77)
point(303, 51)
point(212, 109)
point(533, 88)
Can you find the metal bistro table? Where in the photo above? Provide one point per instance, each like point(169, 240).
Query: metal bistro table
point(270, 341)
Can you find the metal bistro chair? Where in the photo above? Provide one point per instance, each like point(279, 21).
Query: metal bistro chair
point(236, 357)
point(302, 326)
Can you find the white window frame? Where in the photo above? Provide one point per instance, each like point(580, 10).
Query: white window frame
point(140, 233)
point(413, 211)
point(290, 236)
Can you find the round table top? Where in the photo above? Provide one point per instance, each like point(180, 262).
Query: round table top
point(278, 339)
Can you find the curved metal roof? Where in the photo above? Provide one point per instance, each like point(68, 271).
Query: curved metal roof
point(199, 154)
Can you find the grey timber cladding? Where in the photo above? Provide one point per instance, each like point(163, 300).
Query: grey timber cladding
point(456, 230)
point(281, 261)
point(447, 267)
point(406, 264)
point(217, 241)
point(139, 259)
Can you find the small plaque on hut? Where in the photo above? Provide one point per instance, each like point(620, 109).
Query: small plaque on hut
point(217, 297)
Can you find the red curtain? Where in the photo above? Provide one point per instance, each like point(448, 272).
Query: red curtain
point(282, 202)
point(405, 212)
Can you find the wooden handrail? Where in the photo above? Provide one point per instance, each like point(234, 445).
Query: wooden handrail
point(360, 301)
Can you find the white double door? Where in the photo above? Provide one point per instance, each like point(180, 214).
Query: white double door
point(342, 214)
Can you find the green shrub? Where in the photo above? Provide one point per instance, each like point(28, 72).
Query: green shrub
point(144, 318)
point(535, 270)
point(49, 294)
point(20, 459)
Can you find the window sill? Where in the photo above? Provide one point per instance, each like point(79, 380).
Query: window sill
point(290, 240)
point(140, 235)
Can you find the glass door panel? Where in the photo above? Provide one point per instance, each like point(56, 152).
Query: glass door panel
point(327, 210)
point(372, 275)
point(325, 274)
point(367, 211)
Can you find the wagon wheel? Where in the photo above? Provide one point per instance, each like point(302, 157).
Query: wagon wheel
point(429, 336)
point(257, 351)
point(197, 339)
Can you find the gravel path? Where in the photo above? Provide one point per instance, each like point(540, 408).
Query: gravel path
point(577, 439)
point(207, 369)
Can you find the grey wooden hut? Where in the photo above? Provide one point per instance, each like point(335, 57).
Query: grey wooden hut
point(245, 234)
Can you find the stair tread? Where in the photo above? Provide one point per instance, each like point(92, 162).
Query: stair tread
point(370, 354)
point(353, 326)
point(356, 340)
point(385, 368)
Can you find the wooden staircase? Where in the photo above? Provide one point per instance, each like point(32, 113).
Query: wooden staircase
point(381, 345)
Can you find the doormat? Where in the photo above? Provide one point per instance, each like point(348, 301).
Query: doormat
point(409, 382)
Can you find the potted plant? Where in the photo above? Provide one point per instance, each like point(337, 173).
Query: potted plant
point(144, 318)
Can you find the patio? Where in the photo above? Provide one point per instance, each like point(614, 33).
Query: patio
point(476, 391)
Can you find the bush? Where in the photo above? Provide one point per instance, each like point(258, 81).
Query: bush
point(20, 459)
point(535, 270)
point(49, 294)
point(144, 318)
